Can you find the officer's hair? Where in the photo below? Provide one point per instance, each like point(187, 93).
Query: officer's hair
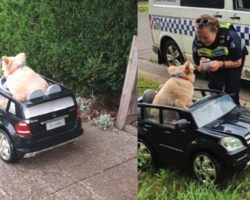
point(207, 21)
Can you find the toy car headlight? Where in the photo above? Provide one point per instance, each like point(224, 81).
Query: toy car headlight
point(231, 143)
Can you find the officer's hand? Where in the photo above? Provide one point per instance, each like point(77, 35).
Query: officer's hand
point(203, 60)
point(199, 68)
point(215, 65)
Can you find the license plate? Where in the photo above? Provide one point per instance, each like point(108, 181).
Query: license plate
point(55, 124)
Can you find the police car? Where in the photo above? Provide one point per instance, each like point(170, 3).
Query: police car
point(40, 123)
point(172, 26)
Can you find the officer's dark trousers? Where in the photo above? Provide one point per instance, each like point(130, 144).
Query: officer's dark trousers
point(227, 80)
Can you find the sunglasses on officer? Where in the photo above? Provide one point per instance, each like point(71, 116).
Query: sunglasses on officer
point(203, 21)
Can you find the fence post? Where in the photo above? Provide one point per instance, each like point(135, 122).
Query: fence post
point(128, 101)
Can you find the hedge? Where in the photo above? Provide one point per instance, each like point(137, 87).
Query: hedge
point(83, 44)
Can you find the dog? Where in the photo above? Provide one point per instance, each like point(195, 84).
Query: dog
point(178, 90)
point(21, 80)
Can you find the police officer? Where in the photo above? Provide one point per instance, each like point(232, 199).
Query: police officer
point(219, 43)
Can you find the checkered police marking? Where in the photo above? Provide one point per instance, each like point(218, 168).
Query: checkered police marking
point(186, 27)
point(173, 25)
point(244, 33)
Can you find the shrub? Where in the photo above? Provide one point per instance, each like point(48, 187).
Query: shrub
point(82, 44)
point(104, 122)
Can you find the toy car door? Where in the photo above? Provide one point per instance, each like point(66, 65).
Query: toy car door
point(171, 141)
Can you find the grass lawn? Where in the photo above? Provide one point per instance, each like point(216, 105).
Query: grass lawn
point(176, 185)
point(143, 6)
point(143, 84)
point(171, 184)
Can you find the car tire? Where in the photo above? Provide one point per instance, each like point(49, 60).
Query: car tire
point(207, 169)
point(7, 150)
point(146, 156)
point(172, 54)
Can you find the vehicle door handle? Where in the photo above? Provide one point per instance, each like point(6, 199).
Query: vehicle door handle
point(217, 16)
point(147, 125)
point(167, 132)
point(235, 17)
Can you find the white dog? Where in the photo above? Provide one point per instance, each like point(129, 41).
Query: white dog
point(178, 90)
point(21, 79)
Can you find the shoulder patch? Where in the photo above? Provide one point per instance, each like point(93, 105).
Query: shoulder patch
point(232, 45)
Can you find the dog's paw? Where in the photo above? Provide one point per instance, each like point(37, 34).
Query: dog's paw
point(185, 108)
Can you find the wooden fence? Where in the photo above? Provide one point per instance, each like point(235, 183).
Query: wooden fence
point(128, 101)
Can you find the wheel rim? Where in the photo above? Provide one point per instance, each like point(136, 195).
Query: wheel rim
point(173, 56)
point(4, 147)
point(144, 155)
point(204, 169)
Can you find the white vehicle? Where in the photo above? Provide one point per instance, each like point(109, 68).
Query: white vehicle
point(172, 25)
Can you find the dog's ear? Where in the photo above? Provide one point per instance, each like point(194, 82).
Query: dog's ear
point(189, 68)
point(172, 69)
point(21, 58)
point(6, 61)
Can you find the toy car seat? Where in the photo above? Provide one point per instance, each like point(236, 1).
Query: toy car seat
point(34, 95)
point(52, 89)
point(148, 96)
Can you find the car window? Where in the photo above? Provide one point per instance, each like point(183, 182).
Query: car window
point(152, 115)
point(242, 4)
point(3, 102)
point(12, 108)
point(170, 118)
point(219, 4)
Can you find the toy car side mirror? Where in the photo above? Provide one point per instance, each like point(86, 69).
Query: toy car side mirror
point(182, 124)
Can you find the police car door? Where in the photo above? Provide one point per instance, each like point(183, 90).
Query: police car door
point(239, 15)
point(191, 9)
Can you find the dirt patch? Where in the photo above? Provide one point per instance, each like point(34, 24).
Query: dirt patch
point(96, 109)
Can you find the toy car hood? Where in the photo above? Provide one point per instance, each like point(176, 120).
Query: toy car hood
point(237, 122)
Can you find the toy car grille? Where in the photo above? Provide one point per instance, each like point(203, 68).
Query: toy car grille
point(247, 138)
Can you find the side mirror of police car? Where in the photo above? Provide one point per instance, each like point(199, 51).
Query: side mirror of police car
point(182, 124)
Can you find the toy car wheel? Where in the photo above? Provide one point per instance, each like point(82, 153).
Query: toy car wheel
point(172, 54)
point(207, 169)
point(7, 152)
point(145, 155)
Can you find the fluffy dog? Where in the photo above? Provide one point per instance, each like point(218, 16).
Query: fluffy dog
point(21, 79)
point(178, 90)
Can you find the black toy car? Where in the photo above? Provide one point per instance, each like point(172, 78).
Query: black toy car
point(40, 123)
point(211, 138)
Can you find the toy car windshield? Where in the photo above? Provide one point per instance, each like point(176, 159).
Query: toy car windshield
point(222, 105)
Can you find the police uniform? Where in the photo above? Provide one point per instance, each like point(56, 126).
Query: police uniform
point(227, 46)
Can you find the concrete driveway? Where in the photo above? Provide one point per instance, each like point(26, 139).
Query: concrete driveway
point(100, 165)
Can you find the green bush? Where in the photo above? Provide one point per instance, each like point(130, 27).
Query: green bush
point(82, 44)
